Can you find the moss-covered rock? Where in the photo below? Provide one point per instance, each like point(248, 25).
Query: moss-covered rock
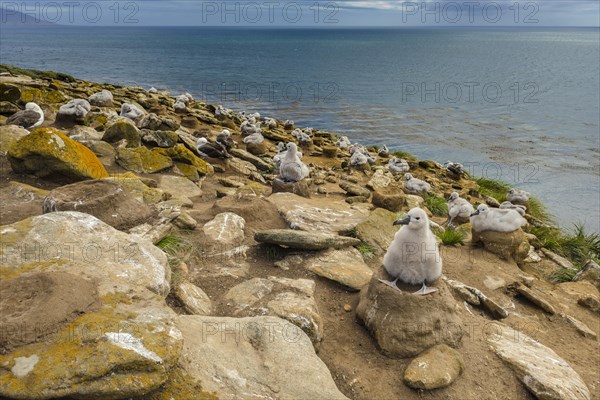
point(160, 138)
point(143, 160)
point(123, 128)
point(9, 135)
point(29, 93)
point(182, 155)
point(9, 92)
point(47, 152)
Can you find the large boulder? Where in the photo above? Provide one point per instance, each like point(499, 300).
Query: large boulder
point(540, 369)
point(68, 239)
point(299, 188)
point(74, 111)
point(9, 135)
point(378, 230)
point(103, 98)
point(390, 198)
point(507, 245)
point(20, 201)
point(160, 138)
point(123, 129)
point(143, 160)
point(186, 162)
point(291, 299)
point(404, 324)
point(179, 186)
point(318, 215)
point(47, 152)
point(107, 200)
point(120, 336)
point(259, 357)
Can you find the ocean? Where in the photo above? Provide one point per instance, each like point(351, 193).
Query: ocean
point(521, 105)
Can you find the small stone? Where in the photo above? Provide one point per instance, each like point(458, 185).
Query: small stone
point(347, 307)
point(492, 202)
point(304, 240)
point(436, 368)
point(356, 199)
point(194, 300)
point(536, 299)
point(298, 188)
point(355, 190)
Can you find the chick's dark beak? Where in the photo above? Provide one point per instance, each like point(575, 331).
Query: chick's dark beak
point(475, 213)
point(404, 221)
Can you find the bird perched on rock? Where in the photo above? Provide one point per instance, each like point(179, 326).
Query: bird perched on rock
point(304, 138)
point(207, 149)
point(343, 143)
point(458, 208)
point(496, 219)
point(76, 108)
point(358, 159)
point(288, 124)
point(31, 117)
point(413, 257)
point(153, 90)
point(384, 151)
point(507, 205)
point(224, 139)
point(130, 111)
point(517, 196)
point(281, 152)
point(398, 166)
point(249, 127)
point(292, 169)
point(255, 138)
point(415, 185)
point(269, 123)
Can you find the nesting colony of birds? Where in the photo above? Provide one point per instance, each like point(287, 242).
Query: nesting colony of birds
point(357, 217)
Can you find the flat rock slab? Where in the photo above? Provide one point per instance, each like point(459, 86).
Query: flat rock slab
point(435, 368)
point(71, 238)
point(179, 186)
point(193, 299)
point(253, 358)
point(324, 216)
point(107, 200)
point(304, 240)
point(540, 369)
point(291, 299)
point(344, 266)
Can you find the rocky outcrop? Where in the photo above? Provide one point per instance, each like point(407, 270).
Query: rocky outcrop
point(143, 160)
point(9, 135)
point(318, 215)
point(403, 324)
point(47, 152)
point(507, 245)
point(67, 240)
point(291, 299)
point(540, 369)
point(259, 357)
point(123, 129)
point(106, 200)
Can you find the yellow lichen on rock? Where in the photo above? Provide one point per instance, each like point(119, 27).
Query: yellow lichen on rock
point(47, 152)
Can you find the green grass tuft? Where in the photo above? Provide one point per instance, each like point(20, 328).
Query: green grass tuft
point(452, 236)
point(437, 205)
point(563, 275)
point(576, 245)
point(32, 73)
point(367, 250)
point(404, 154)
point(539, 211)
point(493, 188)
point(178, 248)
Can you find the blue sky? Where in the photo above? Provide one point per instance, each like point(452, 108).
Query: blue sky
point(315, 13)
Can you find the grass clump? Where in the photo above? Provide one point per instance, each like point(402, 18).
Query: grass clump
point(451, 236)
point(539, 211)
point(437, 205)
point(576, 245)
point(366, 250)
point(32, 73)
point(403, 154)
point(178, 249)
point(493, 188)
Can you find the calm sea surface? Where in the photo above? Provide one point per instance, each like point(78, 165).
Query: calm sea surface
point(517, 105)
